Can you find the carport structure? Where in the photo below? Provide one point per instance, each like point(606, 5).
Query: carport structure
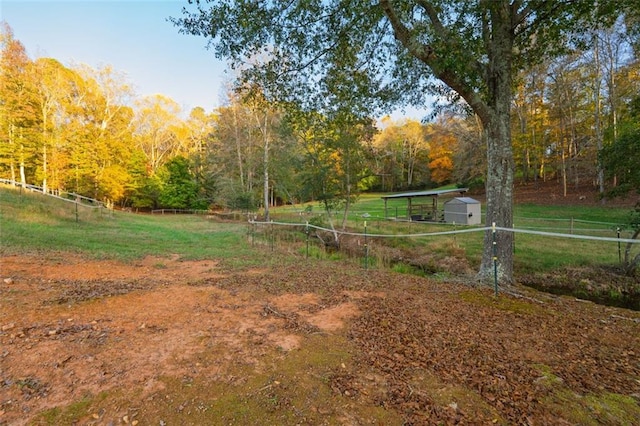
point(421, 212)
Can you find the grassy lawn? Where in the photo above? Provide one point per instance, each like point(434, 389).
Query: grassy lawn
point(533, 253)
point(34, 222)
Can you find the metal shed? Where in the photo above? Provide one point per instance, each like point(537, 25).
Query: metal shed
point(463, 210)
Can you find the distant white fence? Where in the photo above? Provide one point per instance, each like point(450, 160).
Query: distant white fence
point(70, 197)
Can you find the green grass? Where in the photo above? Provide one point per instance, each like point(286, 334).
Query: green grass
point(586, 213)
point(533, 253)
point(33, 222)
point(590, 409)
point(68, 415)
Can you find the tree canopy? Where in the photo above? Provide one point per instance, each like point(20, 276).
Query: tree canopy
point(311, 137)
point(326, 54)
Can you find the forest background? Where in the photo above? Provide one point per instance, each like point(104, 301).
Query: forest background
point(84, 130)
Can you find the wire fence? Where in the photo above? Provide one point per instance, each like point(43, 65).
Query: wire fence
point(432, 249)
point(180, 211)
point(530, 231)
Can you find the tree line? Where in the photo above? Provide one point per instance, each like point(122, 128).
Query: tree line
point(574, 119)
point(83, 130)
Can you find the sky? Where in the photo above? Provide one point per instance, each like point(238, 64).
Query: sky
point(135, 38)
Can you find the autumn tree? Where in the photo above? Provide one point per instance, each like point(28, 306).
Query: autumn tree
point(530, 128)
point(17, 107)
point(265, 120)
point(155, 125)
point(400, 151)
point(237, 152)
point(391, 49)
point(469, 159)
point(442, 146)
point(101, 132)
point(571, 116)
point(53, 85)
point(200, 127)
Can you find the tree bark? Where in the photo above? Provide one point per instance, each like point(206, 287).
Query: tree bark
point(500, 162)
point(499, 195)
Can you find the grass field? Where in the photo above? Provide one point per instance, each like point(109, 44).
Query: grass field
point(31, 221)
point(533, 253)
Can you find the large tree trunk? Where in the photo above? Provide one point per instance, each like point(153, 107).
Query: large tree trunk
point(496, 120)
point(499, 193)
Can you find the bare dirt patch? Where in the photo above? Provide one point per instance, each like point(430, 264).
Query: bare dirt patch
point(166, 341)
point(72, 327)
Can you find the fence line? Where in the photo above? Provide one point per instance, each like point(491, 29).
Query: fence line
point(549, 219)
point(454, 232)
point(180, 211)
point(76, 198)
point(549, 228)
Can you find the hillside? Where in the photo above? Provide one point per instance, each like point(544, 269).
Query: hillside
point(551, 193)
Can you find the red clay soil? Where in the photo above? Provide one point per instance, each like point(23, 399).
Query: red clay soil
point(71, 327)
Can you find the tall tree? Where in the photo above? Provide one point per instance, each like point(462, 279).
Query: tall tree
point(530, 122)
point(265, 119)
point(237, 151)
point(402, 151)
point(17, 108)
point(102, 133)
point(156, 123)
point(200, 128)
point(389, 49)
point(53, 83)
point(571, 112)
point(442, 145)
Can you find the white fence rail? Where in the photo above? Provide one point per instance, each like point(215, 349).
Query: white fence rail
point(70, 197)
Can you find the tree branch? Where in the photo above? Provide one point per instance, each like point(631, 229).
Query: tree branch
point(433, 16)
point(424, 52)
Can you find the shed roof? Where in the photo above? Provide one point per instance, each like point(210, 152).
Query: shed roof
point(465, 200)
point(425, 193)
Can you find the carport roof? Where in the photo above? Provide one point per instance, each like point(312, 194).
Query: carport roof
point(425, 193)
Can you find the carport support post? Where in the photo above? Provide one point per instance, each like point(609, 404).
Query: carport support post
point(495, 259)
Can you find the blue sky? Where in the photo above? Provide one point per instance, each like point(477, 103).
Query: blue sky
point(134, 37)
point(131, 35)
